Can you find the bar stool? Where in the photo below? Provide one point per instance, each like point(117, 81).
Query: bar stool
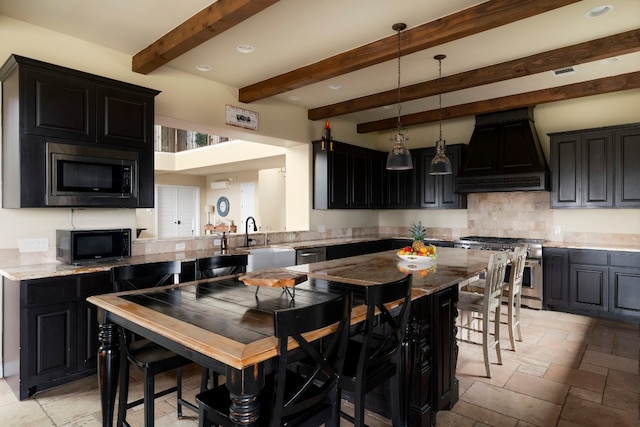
point(484, 298)
point(371, 352)
point(289, 398)
point(211, 267)
point(149, 357)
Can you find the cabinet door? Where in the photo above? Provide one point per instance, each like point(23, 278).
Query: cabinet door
point(566, 170)
point(124, 117)
point(555, 263)
point(430, 188)
point(339, 182)
point(359, 179)
point(446, 348)
point(624, 291)
point(376, 167)
point(627, 170)
point(438, 191)
point(597, 169)
point(588, 287)
point(57, 105)
point(402, 188)
point(52, 342)
point(89, 284)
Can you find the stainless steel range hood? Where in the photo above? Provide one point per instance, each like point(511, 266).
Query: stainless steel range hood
point(504, 154)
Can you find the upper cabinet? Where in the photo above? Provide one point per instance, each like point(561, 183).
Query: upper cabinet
point(351, 177)
point(346, 176)
point(438, 191)
point(50, 109)
point(596, 168)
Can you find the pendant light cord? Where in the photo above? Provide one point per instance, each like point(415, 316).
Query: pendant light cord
point(440, 97)
point(399, 101)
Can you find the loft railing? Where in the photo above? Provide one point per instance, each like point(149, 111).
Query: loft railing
point(172, 140)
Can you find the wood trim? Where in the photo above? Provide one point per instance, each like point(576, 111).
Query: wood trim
point(577, 90)
point(204, 25)
point(474, 20)
point(606, 47)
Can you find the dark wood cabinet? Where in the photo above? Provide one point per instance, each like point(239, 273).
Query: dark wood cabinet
point(346, 176)
point(591, 282)
point(358, 248)
point(402, 188)
point(555, 267)
point(438, 191)
point(596, 168)
point(47, 104)
point(53, 338)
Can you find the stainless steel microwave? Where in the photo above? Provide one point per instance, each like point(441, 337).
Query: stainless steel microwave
point(78, 175)
point(90, 246)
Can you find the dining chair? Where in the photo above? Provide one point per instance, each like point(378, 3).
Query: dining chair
point(149, 357)
point(208, 268)
point(371, 352)
point(484, 300)
point(212, 266)
point(288, 397)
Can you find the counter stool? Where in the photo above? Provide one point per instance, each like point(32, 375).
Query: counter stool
point(483, 301)
point(149, 357)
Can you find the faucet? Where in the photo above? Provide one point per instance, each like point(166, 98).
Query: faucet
point(246, 230)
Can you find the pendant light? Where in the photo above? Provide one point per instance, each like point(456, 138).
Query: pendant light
point(440, 165)
point(399, 157)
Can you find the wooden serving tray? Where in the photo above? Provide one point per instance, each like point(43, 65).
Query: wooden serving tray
point(273, 278)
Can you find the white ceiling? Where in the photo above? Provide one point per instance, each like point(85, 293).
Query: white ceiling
point(294, 33)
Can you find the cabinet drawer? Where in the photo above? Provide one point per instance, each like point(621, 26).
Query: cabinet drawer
point(50, 290)
point(588, 257)
point(625, 259)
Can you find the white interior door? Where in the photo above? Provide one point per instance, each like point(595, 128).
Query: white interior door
point(177, 211)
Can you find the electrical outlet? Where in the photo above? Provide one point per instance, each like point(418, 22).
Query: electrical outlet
point(180, 246)
point(33, 245)
point(217, 242)
point(558, 229)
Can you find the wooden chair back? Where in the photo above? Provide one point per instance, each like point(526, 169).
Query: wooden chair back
point(494, 281)
point(209, 267)
point(142, 276)
point(518, 259)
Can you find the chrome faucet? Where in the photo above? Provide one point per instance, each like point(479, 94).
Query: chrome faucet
point(246, 229)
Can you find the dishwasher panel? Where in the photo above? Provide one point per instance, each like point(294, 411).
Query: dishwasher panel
point(309, 255)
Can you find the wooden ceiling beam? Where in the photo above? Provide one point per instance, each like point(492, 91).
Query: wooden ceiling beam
point(618, 83)
point(204, 25)
point(474, 20)
point(606, 47)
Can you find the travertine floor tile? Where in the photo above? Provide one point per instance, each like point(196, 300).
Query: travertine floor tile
point(620, 398)
point(575, 377)
point(611, 361)
point(623, 380)
point(592, 396)
point(589, 414)
point(483, 415)
point(541, 388)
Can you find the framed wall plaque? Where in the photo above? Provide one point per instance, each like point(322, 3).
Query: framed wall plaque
point(236, 116)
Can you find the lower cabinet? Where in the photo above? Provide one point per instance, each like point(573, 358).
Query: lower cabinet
point(51, 332)
point(593, 282)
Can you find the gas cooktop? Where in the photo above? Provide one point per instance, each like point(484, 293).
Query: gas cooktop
point(501, 240)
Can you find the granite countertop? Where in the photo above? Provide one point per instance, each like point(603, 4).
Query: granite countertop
point(631, 247)
point(451, 267)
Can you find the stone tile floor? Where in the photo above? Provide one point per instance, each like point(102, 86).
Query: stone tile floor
point(569, 371)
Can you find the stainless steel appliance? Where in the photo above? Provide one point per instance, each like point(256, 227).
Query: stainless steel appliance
point(309, 255)
point(90, 246)
point(532, 280)
point(91, 176)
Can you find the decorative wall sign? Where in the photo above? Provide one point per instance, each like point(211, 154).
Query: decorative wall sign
point(236, 116)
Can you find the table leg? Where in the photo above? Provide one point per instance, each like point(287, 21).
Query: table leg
point(244, 389)
point(108, 367)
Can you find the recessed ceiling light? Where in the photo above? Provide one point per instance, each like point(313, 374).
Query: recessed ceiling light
point(335, 86)
point(295, 97)
point(610, 60)
point(203, 67)
point(245, 48)
point(598, 11)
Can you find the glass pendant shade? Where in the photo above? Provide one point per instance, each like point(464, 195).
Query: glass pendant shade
point(440, 165)
point(399, 157)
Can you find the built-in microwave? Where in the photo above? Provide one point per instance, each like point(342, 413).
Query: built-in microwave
point(90, 246)
point(78, 175)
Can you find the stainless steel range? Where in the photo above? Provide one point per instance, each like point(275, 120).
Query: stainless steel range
point(532, 280)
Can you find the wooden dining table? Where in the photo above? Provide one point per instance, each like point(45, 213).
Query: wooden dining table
point(224, 325)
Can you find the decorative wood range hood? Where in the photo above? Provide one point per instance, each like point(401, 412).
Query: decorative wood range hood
point(504, 154)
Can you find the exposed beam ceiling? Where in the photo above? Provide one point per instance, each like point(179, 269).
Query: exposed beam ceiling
point(593, 87)
point(606, 47)
point(203, 26)
point(473, 20)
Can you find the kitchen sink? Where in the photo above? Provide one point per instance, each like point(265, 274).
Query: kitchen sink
point(270, 257)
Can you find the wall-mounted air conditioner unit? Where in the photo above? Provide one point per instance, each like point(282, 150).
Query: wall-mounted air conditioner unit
point(220, 185)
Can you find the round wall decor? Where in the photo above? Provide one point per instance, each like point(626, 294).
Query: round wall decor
point(223, 206)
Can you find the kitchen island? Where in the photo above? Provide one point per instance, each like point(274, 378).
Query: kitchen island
point(430, 349)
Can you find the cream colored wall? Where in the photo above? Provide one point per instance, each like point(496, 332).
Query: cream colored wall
point(272, 199)
point(298, 187)
point(233, 194)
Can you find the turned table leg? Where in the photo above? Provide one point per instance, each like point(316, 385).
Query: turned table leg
point(108, 368)
point(244, 389)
